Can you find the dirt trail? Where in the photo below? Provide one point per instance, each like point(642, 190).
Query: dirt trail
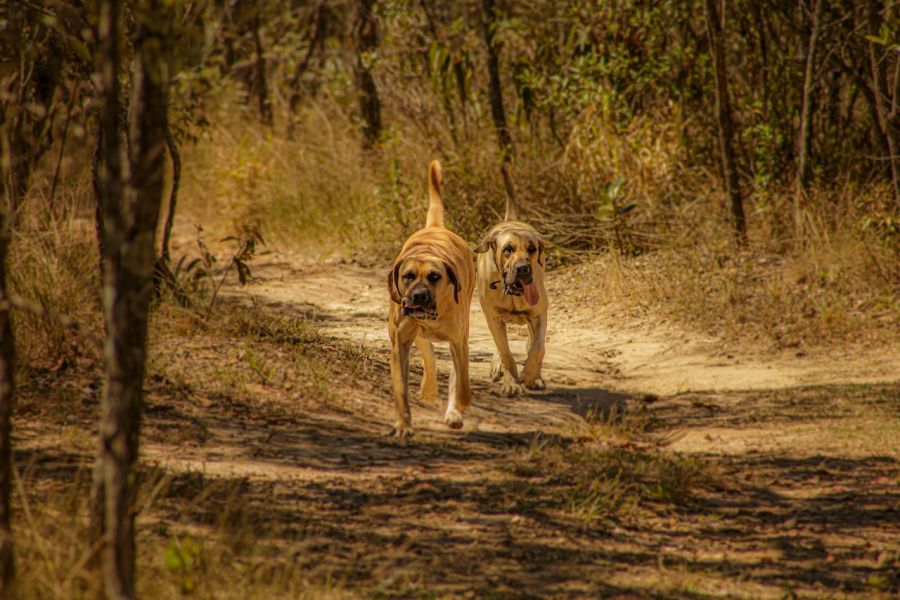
point(587, 347)
point(461, 513)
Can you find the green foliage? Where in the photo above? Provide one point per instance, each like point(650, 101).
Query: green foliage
point(182, 557)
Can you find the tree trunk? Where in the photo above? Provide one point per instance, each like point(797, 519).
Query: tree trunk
point(498, 113)
point(315, 40)
point(131, 216)
point(803, 142)
point(495, 92)
point(880, 90)
point(175, 155)
point(107, 168)
point(260, 84)
point(7, 398)
point(366, 40)
point(726, 125)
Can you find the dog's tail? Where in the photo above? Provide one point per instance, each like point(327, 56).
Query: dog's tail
point(512, 207)
point(435, 216)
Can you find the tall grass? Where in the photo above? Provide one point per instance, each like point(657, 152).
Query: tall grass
point(54, 263)
point(653, 225)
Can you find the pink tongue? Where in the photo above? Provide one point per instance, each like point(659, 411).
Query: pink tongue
point(531, 293)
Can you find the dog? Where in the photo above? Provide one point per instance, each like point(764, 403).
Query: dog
point(431, 285)
point(510, 283)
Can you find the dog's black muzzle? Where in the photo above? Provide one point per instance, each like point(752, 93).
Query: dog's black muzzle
point(517, 277)
point(419, 304)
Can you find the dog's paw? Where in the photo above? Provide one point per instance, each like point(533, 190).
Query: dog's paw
point(453, 419)
point(510, 388)
point(401, 430)
point(496, 368)
point(535, 384)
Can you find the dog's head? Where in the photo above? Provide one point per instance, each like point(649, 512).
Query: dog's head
point(518, 252)
point(421, 285)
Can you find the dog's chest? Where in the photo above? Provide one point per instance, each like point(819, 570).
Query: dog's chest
point(508, 312)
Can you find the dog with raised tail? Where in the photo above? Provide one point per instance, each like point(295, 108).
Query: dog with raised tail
point(510, 283)
point(431, 285)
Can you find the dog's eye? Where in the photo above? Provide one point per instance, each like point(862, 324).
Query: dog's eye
point(434, 277)
point(508, 250)
point(408, 277)
point(531, 249)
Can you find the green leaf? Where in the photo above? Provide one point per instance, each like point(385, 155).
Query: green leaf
point(172, 558)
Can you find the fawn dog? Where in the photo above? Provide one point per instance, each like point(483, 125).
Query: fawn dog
point(431, 286)
point(510, 282)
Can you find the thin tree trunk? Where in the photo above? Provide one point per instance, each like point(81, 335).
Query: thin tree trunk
point(130, 223)
point(109, 190)
point(880, 90)
point(366, 40)
point(763, 53)
point(498, 113)
point(260, 84)
point(726, 124)
point(803, 142)
point(62, 144)
point(7, 399)
point(175, 155)
point(314, 42)
point(495, 92)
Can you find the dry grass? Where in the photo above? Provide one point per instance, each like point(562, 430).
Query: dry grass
point(229, 557)
point(820, 275)
point(54, 263)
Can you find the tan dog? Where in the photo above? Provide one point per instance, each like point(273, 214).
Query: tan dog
point(510, 281)
point(431, 286)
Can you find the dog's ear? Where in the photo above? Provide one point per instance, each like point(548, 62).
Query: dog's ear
point(392, 285)
point(486, 242)
point(451, 278)
point(540, 252)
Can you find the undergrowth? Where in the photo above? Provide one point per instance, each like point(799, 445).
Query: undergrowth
point(626, 204)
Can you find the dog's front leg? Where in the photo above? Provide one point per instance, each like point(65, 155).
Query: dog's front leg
point(401, 344)
point(428, 390)
point(537, 332)
point(503, 364)
point(460, 395)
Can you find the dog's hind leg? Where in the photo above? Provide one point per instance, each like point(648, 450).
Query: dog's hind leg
point(531, 374)
point(503, 364)
point(460, 395)
point(428, 389)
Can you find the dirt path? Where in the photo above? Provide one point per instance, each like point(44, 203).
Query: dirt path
point(807, 502)
point(588, 346)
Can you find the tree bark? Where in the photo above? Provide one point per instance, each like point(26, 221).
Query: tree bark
point(260, 83)
point(366, 40)
point(495, 92)
point(880, 90)
point(315, 40)
point(108, 190)
point(175, 155)
point(726, 124)
point(7, 400)
point(498, 113)
point(803, 141)
point(131, 216)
